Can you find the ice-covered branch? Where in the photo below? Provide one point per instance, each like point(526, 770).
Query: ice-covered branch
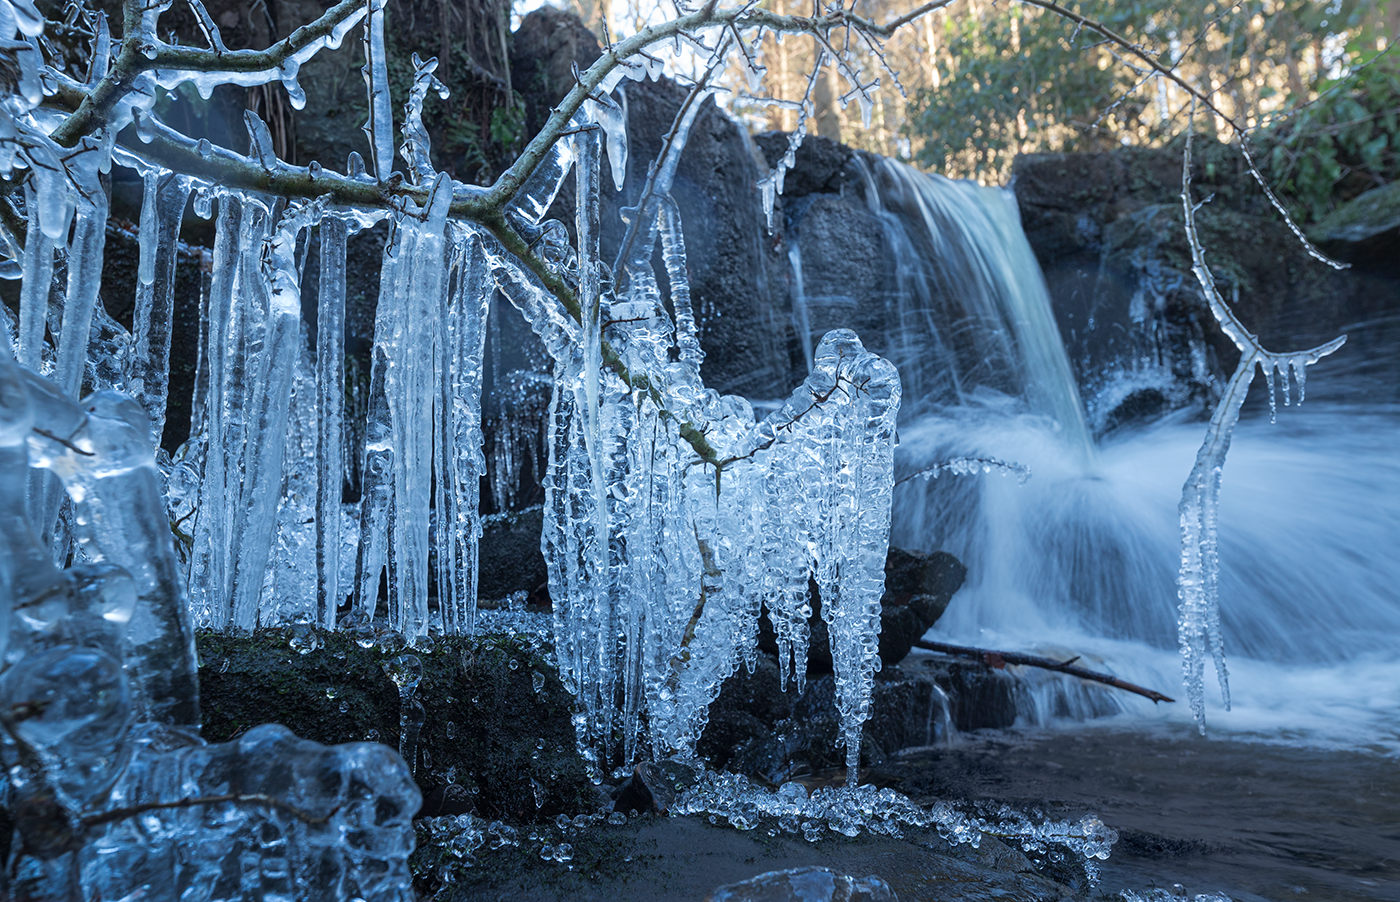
point(142, 52)
point(1198, 579)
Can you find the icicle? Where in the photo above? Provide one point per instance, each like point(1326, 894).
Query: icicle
point(611, 116)
point(416, 149)
point(38, 282)
point(211, 565)
point(377, 487)
point(330, 448)
point(273, 287)
point(408, 345)
point(534, 198)
point(464, 464)
point(380, 126)
point(673, 252)
point(84, 271)
point(260, 141)
point(148, 373)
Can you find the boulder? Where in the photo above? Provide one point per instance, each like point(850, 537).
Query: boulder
point(1365, 231)
point(495, 737)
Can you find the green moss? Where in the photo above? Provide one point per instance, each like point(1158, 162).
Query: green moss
point(1376, 211)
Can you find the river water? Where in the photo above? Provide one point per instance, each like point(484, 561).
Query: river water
point(1294, 791)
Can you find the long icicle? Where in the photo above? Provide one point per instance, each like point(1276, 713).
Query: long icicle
point(330, 446)
point(148, 379)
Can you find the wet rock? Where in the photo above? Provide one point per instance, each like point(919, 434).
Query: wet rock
point(509, 558)
point(918, 588)
point(817, 167)
point(1107, 231)
point(544, 51)
point(496, 737)
point(810, 884)
point(771, 735)
point(666, 859)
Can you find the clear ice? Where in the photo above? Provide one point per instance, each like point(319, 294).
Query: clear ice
point(1198, 619)
point(106, 777)
point(673, 516)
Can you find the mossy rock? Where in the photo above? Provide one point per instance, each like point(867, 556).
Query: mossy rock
point(496, 739)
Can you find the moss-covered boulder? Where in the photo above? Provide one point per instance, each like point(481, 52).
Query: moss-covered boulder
point(486, 728)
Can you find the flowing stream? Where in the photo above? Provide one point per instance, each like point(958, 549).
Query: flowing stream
point(1082, 557)
point(1292, 795)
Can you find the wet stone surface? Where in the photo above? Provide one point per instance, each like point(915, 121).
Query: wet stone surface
point(495, 737)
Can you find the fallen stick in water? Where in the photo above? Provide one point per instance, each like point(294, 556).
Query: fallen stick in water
point(1000, 659)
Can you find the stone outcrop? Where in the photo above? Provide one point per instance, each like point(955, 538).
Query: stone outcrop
point(1107, 230)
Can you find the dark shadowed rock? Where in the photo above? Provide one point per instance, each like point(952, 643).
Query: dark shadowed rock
point(1107, 231)
point(496, 740)
point(1365, 231)
point(509, 556)
point(817, 165)
point(918, 588)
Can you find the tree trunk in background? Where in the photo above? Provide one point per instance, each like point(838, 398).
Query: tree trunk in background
point(824, 98)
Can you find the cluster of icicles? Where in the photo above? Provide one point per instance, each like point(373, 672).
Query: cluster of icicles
point(659, 562)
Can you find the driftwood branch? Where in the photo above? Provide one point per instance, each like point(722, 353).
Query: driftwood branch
point(999, 659)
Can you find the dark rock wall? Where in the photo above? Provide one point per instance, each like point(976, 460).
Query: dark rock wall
point(1107, 230)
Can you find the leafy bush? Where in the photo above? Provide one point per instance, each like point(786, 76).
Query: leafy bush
point(1345, 143)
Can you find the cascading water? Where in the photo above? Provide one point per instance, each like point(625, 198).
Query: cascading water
point(1082, 558)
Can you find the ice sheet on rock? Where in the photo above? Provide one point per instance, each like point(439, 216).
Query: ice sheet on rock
point(103, 456)
point(807, 884)
point(314, 821)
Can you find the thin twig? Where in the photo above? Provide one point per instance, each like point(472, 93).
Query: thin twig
point(999, 659)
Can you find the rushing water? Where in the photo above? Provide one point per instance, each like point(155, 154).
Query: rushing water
point(1082, 558)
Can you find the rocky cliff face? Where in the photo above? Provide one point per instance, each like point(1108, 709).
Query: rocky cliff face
point(1107, 230)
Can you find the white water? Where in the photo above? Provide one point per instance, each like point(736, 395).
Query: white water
point(1081, 560)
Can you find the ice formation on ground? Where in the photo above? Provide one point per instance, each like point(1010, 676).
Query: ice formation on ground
point(111, 790)
point(851, 810)
point(810, 884)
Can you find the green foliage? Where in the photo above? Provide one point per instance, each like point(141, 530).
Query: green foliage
point(1345, 143)
point(1015, 79)
point(508, 124)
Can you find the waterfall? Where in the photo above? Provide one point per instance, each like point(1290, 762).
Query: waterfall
point(1081, 559)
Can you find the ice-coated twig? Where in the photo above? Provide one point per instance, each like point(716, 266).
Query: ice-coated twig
point(143, 52)
point(1282, 210)
point(380, 124)
point(417, 147)
point(966, 466)
point(1198, 621)
point(207, 27)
